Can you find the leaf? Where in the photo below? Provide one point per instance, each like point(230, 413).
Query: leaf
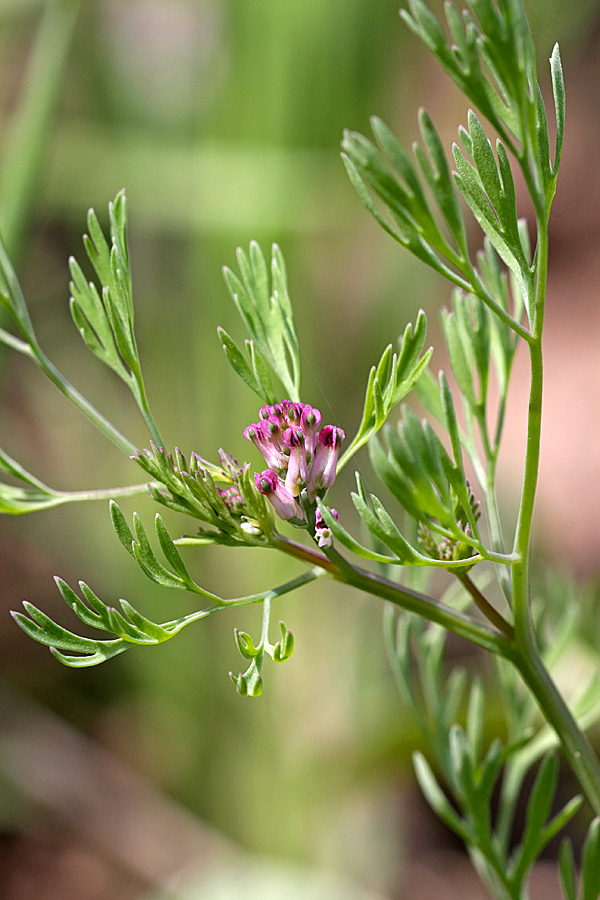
point(476, 718)
point(566, 865)
point(138, 546)
point(417, 470)
point(415, 228)
point(543, 142)
point(95, 618)
point(428, 393)
point(459, 358)
point(248, 684)
point(437, 799)
point(470, 187)
point(284, 648)
point(238, 363)
point(42, 629)
point(132, 628)
point(440, 181)
point(266, 311)
point(170, 551)
point(562, 818)
point(558, 89)
point(90, 318)
point(245, 644)
point(105, 650)
point(389, 382)
point(16, 501)
point(261, 372)
point(346, 540)
point(453, 432)
point(121, 527)
point(148, 561)
point(590, 868)
point(425, 24)
point(462, 61)
point(145, 625)
point(103, 312)
point(108, 312)
point(383, 529)
point(538, 810)
point(11, 297)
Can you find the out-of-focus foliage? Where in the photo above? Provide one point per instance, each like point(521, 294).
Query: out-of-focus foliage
point(222, 118)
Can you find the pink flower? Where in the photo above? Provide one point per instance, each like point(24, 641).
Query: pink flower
point(323, 534)
point(266, 437)
point(323, 468)
point(297, 470)
point(275, 491)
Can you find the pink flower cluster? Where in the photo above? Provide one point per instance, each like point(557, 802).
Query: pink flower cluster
point(300, 455)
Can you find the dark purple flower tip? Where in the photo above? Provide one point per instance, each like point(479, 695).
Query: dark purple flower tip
point(323, 534)
point(266, 481)
point(294, 411)
point(320, 521)
point(282, 501)
point(293, 437)
point(311, 418)
point(323, 468)
point(331, 436)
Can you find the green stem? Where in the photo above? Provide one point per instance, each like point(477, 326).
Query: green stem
point(273, 593)
point(175, 625)
point(305, 554)
point(83, 405)
point(264, 631)
point(486, 608)
point(413, 601)
point(430, 609)
point(139, 393)
point(582, 758)
point(476, 288)
point(11, 289)
point(102, 493)
point(523, 624)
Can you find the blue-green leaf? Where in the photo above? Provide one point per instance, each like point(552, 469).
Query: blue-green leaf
point(437, 799)
point(566, 865)
point(558, 88)
point(590, 868)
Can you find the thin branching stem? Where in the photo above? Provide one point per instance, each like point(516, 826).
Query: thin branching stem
point(484, 606)
point(83, 405)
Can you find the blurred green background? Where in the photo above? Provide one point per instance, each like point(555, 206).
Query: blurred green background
point(222, 119)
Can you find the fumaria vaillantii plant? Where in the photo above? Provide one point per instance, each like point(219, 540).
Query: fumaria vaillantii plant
point(498, 303)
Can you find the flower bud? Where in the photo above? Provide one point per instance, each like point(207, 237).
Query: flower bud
point(282, 501)
point(323, 468)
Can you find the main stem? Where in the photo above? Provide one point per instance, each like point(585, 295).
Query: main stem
point(526, 658)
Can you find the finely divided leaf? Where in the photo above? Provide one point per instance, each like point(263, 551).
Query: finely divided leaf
point(389, 382)
point(264, 306)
